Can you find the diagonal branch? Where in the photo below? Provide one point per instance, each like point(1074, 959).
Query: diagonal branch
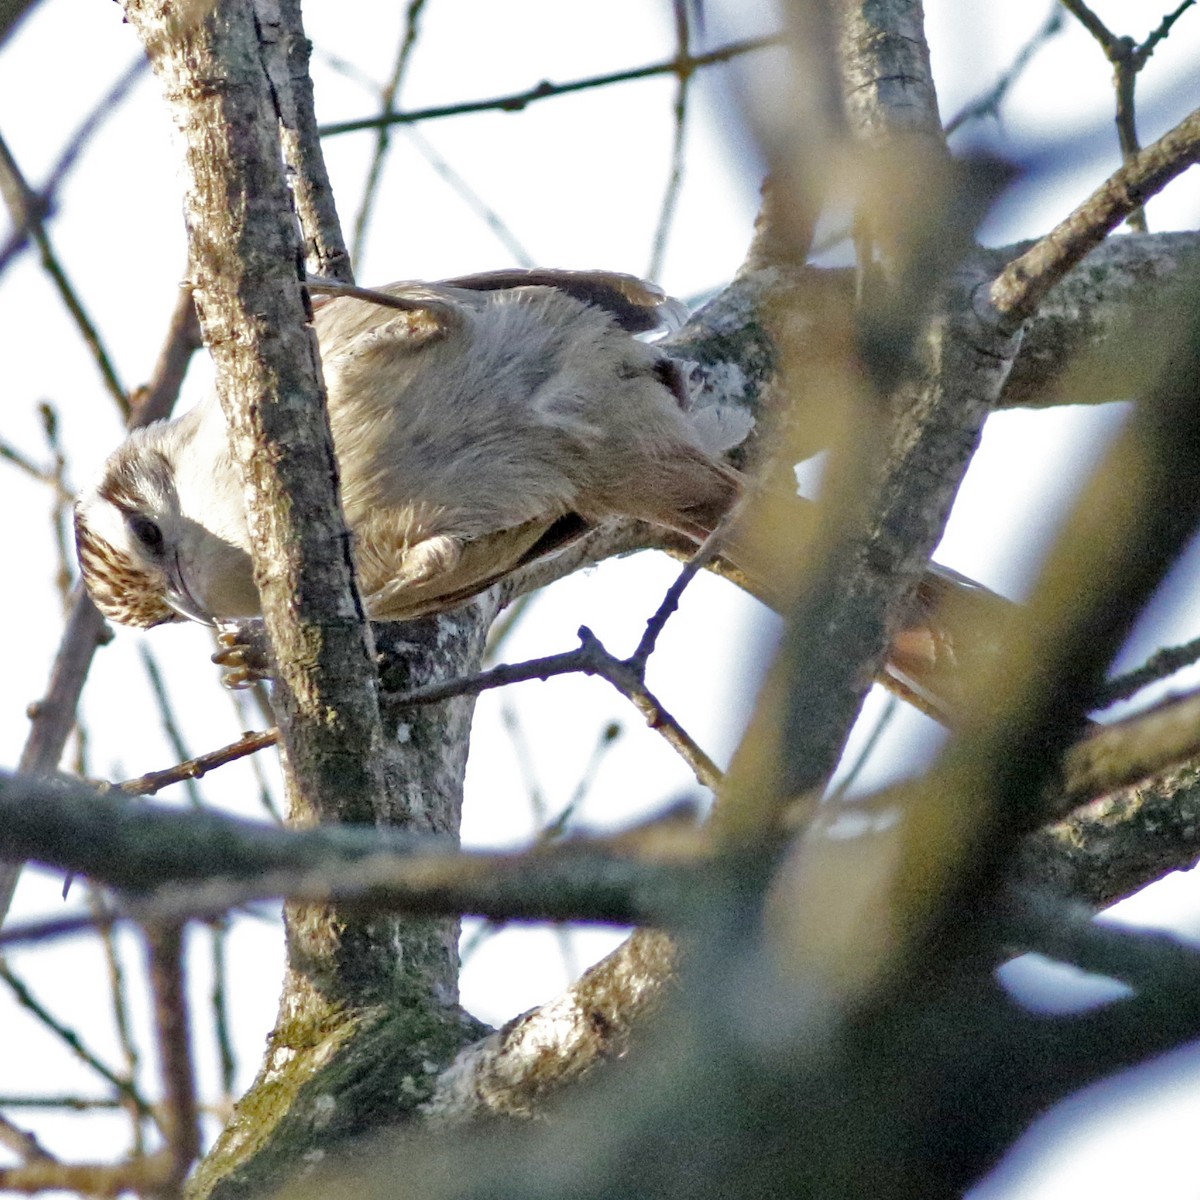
point(519, 101)
point(1021, 286)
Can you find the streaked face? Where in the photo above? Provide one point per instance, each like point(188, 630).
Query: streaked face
point(144, 561)
point(121, 547)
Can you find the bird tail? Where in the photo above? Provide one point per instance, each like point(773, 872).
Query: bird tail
point(954, 626)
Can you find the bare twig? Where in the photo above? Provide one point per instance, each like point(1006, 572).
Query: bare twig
point(1164, 28)
point(675, 179)
point(670, 602)
point(219, 944)
point(141, 1176)
point(549, 830)
point(62, 506)
point(1020, 287)
point(1127, 58)
point(591, 658)
point(849, 779)
point(517, 101)
point(324, 247)
point(180, 1118)
point(22, 1142)
point(120, 1010)
point(1158, 666)
point(387, 100)
point(20, 460)
point(53, 716)
point(195, 768)
point(988, 105)
point(472, 199)
point(26, 999)
point(257, 695)
point(155, 401)
point(40, 204)
point(27, 211)
point(170, 726)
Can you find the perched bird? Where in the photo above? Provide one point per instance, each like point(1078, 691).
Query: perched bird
point(478, 424)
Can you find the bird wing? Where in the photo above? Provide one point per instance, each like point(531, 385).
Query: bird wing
point(464, 567)
point(637, 306)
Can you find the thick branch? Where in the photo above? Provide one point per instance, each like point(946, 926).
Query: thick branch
point(175, 864)
point(888, 81)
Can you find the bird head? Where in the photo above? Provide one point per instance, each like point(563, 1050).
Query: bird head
point(145, 560)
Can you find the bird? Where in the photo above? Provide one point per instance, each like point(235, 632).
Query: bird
point(479, 424)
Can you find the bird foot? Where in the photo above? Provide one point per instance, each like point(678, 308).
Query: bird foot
point(245, 653)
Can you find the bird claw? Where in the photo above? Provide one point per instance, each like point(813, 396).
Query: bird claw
point(244, 655)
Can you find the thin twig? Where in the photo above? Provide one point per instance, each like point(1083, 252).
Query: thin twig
point(22, 1142)
point(604, 743)
point(27, 211)
point(140, 1176)
point(41, 204)
point(472, 199)
point(1158, 666)
point(195, 768)
point(219, 944)
point(26, 999)
point(120, 1010)
point(62, 507)
point(517, 101)
point(670, 199)
point(505, 623)
point(707, 551)
point(542, 823)
point(241, 699)
point(988, 105)
point(1020, 287)
point(387, 99)
point(155, 401)
point(628, 676)
point(180, 1118)
point(169, 724)
point(1148, 46)
point(1127, 58)
point(881, 725)
point(591, 658)
point(9, 453)
point(1092, 23)
point(325, 250)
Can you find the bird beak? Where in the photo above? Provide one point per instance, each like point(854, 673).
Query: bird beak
point(180, 598)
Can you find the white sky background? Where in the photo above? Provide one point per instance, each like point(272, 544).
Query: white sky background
point(579, 181)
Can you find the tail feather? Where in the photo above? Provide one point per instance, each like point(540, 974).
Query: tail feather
point(955, 625)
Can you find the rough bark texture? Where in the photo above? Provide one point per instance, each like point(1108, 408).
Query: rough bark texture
point(886, 77)
point(353, 980)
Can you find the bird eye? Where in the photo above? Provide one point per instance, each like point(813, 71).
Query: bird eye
point(147, 533)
